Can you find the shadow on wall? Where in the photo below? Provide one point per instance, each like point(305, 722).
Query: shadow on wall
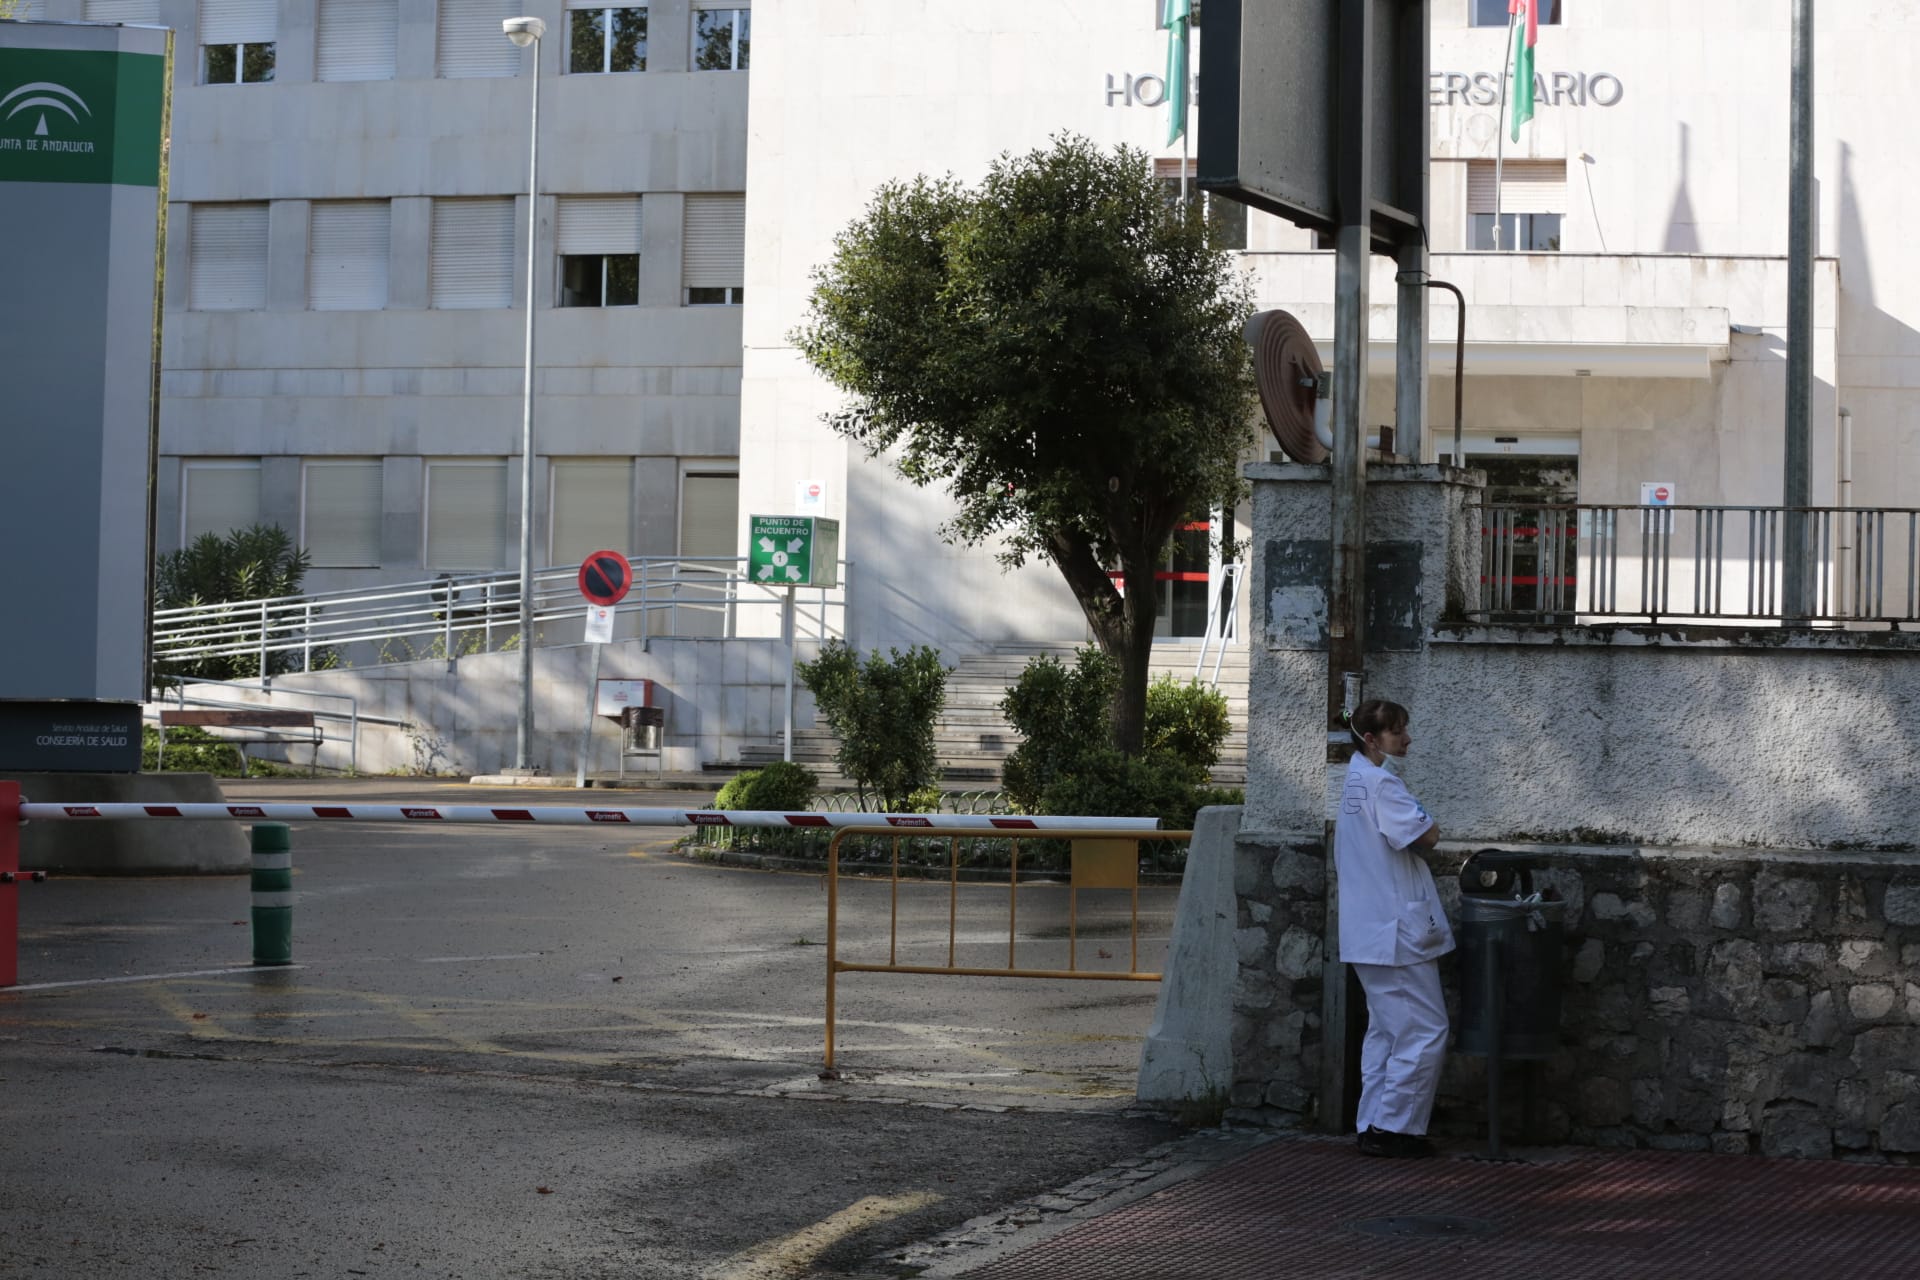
point(1683, 236)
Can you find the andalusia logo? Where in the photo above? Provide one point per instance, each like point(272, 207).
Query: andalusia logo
point(35, 101)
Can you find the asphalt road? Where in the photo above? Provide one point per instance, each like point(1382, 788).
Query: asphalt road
point(534, 1052)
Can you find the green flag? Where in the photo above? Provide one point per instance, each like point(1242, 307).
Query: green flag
point(1523, 64)
point(1176, 16)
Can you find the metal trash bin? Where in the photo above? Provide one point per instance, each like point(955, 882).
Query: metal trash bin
point(645, 726)
point(1510, 941)
point(1509, 976)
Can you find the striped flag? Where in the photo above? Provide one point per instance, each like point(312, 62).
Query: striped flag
point(1523, 63)
point(1176, 16)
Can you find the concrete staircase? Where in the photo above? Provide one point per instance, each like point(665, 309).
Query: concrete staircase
point(973, 737)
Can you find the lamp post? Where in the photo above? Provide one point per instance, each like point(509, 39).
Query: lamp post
point(524, 32)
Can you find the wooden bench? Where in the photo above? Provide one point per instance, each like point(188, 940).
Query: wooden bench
point(268, 718)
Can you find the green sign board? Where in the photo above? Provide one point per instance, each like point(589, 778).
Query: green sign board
point(81, 115)
point(793, 551)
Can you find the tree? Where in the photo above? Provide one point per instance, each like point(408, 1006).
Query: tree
point(1059, 347)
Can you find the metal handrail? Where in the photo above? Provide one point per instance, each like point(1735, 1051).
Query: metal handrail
point(1223, 620)
point(455, 610)
point(1588, 563)
point(350, 717)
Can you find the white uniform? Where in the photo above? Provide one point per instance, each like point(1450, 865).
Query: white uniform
point(1392, 931)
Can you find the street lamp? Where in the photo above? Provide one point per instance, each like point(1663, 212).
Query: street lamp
point(524, 32)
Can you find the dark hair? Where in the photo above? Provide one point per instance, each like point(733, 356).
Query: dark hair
point(1372, 716)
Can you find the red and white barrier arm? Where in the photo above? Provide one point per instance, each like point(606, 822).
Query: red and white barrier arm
point(560, 816)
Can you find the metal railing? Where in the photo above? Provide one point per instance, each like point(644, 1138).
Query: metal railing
point(1595, 563)
point(1223, 620)
point(173, 690)
point(450, 617)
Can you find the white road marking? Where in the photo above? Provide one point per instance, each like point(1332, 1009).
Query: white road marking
point(148, 977)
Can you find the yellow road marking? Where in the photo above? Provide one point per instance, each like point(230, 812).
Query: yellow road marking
point(197, 1022)
point(790, 1256)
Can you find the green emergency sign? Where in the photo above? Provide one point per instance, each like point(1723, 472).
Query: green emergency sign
point(793, 551)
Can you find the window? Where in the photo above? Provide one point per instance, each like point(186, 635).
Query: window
point(472, 254)
point(141, 11)
point(236, 41)
point(227, 251)
point(357, 39)
point(1493, 13)
point(1226, 219)
point(1532, 198)
point(605, 39)
point(720, 32)
point(713, 250)
point(709, 514)
point(592, 504)
point(217, 497)
point(340, 512)
point(347, 257)
point(598, 238)
point(466, 514)
point(469, 43)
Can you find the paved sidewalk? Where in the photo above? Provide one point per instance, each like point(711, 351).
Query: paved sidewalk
point(1309, 1206)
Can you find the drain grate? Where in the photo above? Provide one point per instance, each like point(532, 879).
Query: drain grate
point(1421, 1224)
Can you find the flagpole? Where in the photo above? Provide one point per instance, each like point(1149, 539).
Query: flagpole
point(1500, 142)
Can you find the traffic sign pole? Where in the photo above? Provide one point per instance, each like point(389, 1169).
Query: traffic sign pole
point(793, 646)
point(605, 579)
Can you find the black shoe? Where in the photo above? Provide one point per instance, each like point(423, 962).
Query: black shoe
point(1395, 1146)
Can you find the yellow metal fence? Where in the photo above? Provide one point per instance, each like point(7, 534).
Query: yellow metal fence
point(1100, 859)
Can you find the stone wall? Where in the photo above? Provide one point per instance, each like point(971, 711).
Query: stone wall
point(1732, 1001)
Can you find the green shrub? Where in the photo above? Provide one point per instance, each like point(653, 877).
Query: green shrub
point(1107, 784)
point(1186, 719)
point(189, 750)
point(255, 563)
point(782, 787)
point(1066, 716)
point(883, 713)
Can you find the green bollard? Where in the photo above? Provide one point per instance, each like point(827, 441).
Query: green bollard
point(272, 893)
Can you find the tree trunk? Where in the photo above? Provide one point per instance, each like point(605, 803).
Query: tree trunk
point(1122, 626)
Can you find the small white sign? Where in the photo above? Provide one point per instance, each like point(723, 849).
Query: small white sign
point(615, 696)
point(599, 624)
point(809, 498)
point(1658, 493)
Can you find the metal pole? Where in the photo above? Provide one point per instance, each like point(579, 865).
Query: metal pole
point(1347, 588)
point(272, 845)
point(1500, 133)
point(1797, 490)
point(523, 739)
point(793, 655)
point(586, 730)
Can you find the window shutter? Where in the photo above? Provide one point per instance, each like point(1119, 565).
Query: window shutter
point(238, 21)
point(722, 4)
point(592, 507)
point(218, 497)
point(466, 515)
point(713, 254)
point(340, 513)
point(228, 249)
point(472, 253)
point(33, 11)
point(709, 515)
point(142, 11)
point(1526, 186)
point(470, 40)
point(357, 40)
point(347, 259)
point(598, 224)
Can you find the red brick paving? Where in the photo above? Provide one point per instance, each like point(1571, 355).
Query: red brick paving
point(1295, 1207)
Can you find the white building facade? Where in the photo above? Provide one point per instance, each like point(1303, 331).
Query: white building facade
point(346, 267)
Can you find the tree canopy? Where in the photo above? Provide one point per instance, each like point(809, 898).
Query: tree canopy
point(1060, 347)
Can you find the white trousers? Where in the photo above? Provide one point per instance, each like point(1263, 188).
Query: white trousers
point(1405, 1046)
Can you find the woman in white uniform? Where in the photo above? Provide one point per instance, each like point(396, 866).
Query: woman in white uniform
point(1393, 932)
